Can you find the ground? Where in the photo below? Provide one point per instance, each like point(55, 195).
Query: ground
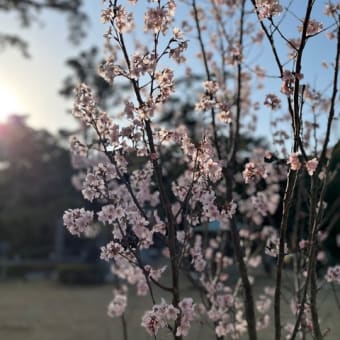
point(46, 310)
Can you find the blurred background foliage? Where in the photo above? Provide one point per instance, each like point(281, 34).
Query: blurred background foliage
point(35, 187)
point(28, 12)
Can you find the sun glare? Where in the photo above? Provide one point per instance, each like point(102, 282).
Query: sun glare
point(8, 104)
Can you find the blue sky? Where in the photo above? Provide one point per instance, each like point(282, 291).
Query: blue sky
point(35, 82)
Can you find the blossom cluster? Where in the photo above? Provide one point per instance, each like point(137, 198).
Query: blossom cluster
point(118, 305)
point(268, 8)
point(159, 317)
point(188, 314)
point(225, 308)
point(256, 168)
point(212, 100)
point(333, 274)
point(77, 220)
point(295, 164)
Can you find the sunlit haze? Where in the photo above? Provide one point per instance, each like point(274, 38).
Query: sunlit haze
point(8, 104)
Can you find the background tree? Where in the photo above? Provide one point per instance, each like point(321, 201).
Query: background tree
point(29, 11)
point(34, 187)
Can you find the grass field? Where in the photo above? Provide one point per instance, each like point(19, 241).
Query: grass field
point(45, 310)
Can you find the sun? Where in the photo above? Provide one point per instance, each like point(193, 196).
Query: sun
point(8, 104)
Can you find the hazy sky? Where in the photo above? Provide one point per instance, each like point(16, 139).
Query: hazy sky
point(35, 82)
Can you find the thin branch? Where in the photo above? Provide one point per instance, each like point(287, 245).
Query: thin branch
point(208, 75)
point(335, 296)
point(124, 326)
point(228, 175)
point(333, 99)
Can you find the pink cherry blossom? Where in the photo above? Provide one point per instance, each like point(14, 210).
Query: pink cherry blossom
point(311, 166)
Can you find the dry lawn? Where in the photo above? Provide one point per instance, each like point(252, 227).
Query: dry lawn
point(45, 310)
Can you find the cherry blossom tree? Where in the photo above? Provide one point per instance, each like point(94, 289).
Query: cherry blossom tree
point(126, 161)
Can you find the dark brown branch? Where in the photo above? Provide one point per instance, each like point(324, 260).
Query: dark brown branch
point(313, 284)
point(110, 156)
point(337, 301)
point(228, 174)
point(124, 326)
point(208, 75)
point(270, 37)
point(314, 228)
point(287, 201)
point(333, 99)
point(298, 68)
point(171, 226)
point(160, 285)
